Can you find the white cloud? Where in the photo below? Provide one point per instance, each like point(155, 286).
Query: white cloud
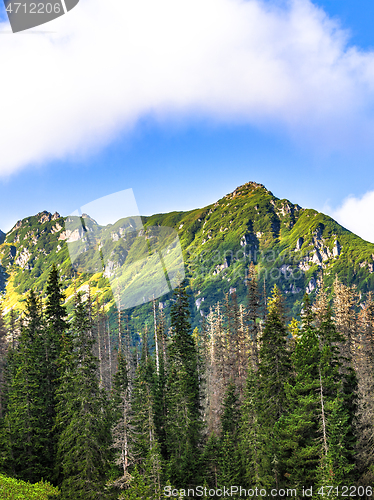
point(357, 215)
point(112, 62)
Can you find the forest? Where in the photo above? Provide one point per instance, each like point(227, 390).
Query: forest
point(250, 398)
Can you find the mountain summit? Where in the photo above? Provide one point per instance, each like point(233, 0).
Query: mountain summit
point(291, 246)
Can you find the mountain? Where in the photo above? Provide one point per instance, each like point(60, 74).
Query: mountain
point(290, 246)
point(2, 236)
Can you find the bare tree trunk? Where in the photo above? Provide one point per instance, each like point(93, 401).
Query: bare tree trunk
point(110, 357)
point(323, 414)
point(156, 339)
point(99, 325)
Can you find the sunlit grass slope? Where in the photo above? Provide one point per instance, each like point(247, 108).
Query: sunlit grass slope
point(13, 489)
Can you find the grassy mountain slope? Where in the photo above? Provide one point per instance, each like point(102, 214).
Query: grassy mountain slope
point(289, 245)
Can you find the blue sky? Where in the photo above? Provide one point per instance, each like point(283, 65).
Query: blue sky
point(185, 103)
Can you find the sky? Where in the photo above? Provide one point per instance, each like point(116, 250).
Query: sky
point(183, 101)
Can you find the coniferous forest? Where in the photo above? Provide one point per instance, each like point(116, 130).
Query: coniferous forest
point(251, 398)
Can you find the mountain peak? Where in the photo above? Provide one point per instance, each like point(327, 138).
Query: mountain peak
point(248, 188)
point(46, 216)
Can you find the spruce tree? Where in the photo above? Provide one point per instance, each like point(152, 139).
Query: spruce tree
point(145, 446)
point(3, 362)
point(55, 329)
point(228, 458)
point(184, 422)
point(365, 372)
point(336, 465)
point(345, 319)
point(29, 429)
point(274, 372)
point(215, 370)
point(4, 392)
point(122, 427)
point(299, 427)
point(82, 418)
point(160, 411)
point(253, 315)
point(250, 431)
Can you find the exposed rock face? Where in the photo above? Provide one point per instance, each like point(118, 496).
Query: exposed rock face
point(71, 236)
point(318, 232)
point(55, 216)
point(23, 258)
point(317, 259)
point(110, 269)
point(44, 217)
point(299, 243)
point(304, 264)
point(311, 285)
point(220, 267)
point(284, 210)
point(10, 254)
point(2, 236)
point(198, 302)
point(293, 289)
point(245, 240)
point(56, 228)
point(337, 249)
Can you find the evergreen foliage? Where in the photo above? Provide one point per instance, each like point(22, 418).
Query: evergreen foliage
point(82, 416)
point(242, 400)
point(274, 373)
point(183, 422)
point(28, 424)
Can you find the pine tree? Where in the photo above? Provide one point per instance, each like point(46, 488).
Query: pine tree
point(7, 462)
point(365, 413)
point(209, 460)
point(253, 315)
point(146, 447)
point(160, 410)
point(345, 300)
point(3, 362)
point(184, 423)
point(336, 465)
point(299, 427)
point(228, 458)
point(274, 373)
point(250, 431)
point(4, 393)
point(29, 431)
point(55, 314)
point(82, 415)
point(122, 427)
point(237, 361)
point(216, 370)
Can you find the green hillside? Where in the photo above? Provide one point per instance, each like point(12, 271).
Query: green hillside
point(290, 245)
